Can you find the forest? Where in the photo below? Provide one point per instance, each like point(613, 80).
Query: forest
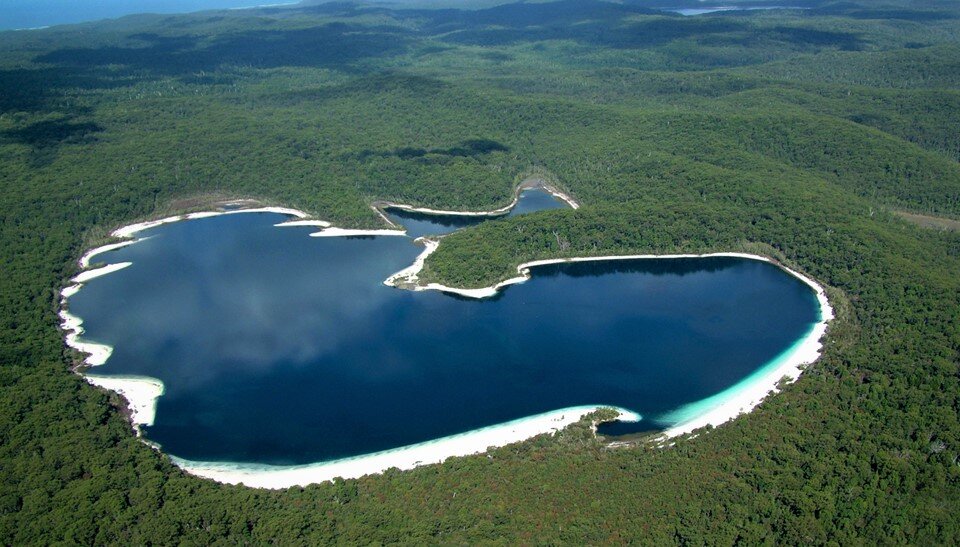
point(811, 134)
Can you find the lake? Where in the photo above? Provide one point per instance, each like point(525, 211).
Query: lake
point(282, 349)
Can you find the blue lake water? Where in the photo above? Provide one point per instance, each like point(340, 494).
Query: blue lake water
point(714, 9)
point(279, 348)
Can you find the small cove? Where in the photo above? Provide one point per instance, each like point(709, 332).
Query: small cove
point(279, 349)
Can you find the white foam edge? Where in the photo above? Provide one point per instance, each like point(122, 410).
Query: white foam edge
point(141, 393)
point(408, 457)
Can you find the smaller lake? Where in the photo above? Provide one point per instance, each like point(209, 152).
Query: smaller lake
point(714, 9)
point(418, 224)
point(277, 348)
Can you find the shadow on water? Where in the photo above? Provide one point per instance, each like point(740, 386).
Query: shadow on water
point(649, 266)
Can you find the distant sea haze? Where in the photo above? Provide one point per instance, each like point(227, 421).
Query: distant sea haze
point(26, 14)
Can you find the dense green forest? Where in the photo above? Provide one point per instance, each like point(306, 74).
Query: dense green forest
point(793, 133)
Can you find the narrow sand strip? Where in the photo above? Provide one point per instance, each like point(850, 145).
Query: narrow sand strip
point(410, 273)
point(408, 457)
point(97, 354)
point(317, 223)
point(524, 186)
point(83, 277)
point(141, 393)
point(85, 259)
point(386, 218)
point(346, 232)
point(128, 231)
point(69, 291)
point(561, 196)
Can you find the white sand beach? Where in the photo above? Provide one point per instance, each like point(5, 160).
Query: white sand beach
point(141, 393)
point(97, 354)
point(524, 186)
point(410, 273)
point(83, 277)
point(86, 258)
point(408, 457)
point(294, 223)
point(346, 232)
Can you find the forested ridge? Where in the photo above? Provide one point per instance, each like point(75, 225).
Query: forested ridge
point(791, 133)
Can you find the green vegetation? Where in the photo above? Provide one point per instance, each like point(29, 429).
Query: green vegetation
point(796, 134)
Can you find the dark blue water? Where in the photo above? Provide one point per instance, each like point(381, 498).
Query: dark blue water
point(280, 348)
point(20, 14)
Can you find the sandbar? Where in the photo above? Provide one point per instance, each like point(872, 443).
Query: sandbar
point(85, 259)
point(346, 232)
point(410, 273)
point(83, 277)
point(317, 223)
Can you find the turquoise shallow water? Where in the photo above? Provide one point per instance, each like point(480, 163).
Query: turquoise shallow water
point(279, 348)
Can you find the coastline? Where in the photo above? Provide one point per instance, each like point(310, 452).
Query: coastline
point(407, 457)
point(141, 393)
point(527, 184)
point(347, 232)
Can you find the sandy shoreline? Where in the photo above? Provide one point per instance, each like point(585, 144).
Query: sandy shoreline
point(86, 258)
point(347, 232)
point(409, 275)
point(523, 186)
point(290, 223)
point(408, 457)
point(129, 230)
point(142, 393)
